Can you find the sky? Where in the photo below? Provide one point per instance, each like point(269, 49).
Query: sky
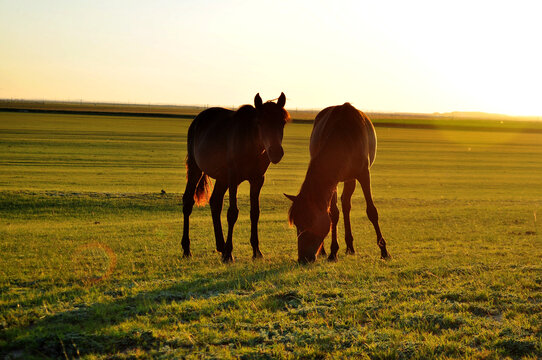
point(400, 56)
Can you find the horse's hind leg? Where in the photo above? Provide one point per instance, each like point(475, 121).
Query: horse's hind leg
point(216, 201)
point(193, 176)
point(233, 213)
point(346, 201)
point(334, 215)
point(372, 213)
point(255, 187)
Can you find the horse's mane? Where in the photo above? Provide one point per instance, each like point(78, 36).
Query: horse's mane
point(247, 111)
point(285, 114)
point(310, 196)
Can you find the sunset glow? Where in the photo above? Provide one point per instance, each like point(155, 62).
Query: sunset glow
point(418, 56)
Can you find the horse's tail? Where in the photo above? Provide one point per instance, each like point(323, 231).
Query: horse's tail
point(203, 187)
point(201, 196)
point(371, 138)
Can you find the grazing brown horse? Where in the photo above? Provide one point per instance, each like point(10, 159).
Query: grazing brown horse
point(342, 148)
point(231, 147)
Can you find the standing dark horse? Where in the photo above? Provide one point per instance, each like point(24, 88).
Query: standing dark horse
point(231, 147)
point(342, 148)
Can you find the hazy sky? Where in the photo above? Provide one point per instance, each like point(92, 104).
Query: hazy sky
point(417, 56)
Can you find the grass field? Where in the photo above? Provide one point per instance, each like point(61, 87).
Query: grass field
point(91, 266)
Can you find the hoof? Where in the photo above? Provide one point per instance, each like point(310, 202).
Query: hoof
point(187, 254)
point(257, 255)
point(332, 258)
point(350, 251)
point(306, 260)
point(227, 258)
point(220, 248)
point(385, 255)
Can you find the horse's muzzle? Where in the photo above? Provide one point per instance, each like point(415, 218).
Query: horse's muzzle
point(307, 247)
point(275, 154)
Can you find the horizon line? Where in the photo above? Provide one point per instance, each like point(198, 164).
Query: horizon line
point(461, 113)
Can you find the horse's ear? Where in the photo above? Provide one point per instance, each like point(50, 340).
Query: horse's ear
point(282, 100)
point(291, 197)
point(258, 101)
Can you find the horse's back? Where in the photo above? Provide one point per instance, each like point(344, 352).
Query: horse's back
point(345, 134)
point(209, 120)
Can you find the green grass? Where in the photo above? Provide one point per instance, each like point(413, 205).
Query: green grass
point(91, 266)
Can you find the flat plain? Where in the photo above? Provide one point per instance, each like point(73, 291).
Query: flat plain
point(91, 266)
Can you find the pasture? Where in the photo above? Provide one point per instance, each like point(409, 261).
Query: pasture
point(91, 263)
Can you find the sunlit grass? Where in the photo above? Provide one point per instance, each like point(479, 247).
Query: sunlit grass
point(81, 195)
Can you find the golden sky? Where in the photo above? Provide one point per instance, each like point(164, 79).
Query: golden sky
point(412, 56)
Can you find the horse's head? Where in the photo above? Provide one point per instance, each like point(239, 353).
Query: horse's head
point(271, 118)
point(312, 224)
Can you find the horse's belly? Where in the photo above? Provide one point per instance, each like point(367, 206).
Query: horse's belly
point(211, 159)
point(215, 164)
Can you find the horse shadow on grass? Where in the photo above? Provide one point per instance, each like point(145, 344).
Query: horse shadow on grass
point(80, 331)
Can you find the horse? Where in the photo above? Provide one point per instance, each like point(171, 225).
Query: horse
point(231, 147)
point(342, 149)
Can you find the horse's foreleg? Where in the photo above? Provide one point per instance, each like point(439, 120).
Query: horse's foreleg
point(194, 174)
point(334, 215)
point(255, 187)
point(233, 213)
point(216, 201)
point(346, 202)
point(372, 213)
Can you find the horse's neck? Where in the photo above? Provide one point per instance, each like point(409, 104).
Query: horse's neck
point(318, 185)
point(247, 132)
